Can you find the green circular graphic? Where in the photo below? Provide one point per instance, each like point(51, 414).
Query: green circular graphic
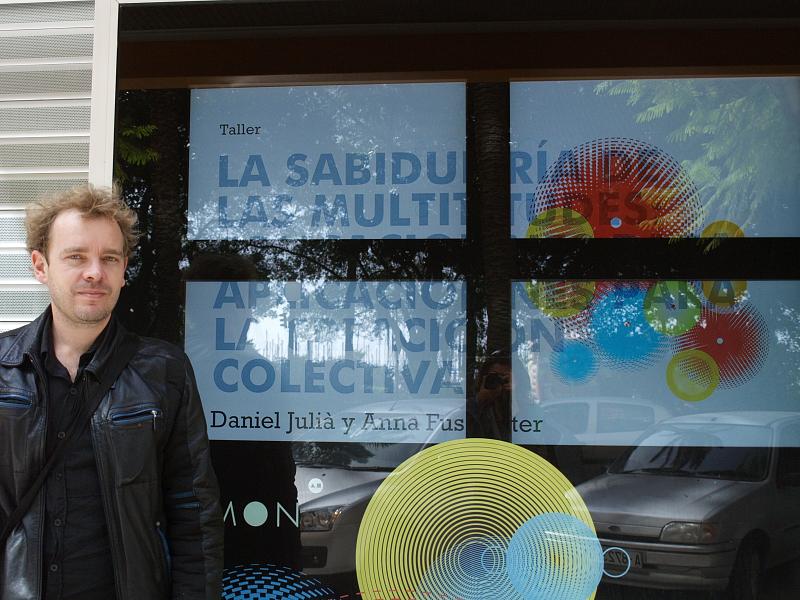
point(255, 514)
point(692, 375)
point(559, 299)
point(672, 307)
point(724, 293)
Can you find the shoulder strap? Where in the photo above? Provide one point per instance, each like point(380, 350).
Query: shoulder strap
point(119, 360)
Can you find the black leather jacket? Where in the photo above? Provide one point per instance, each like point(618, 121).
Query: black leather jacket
point(159, 490)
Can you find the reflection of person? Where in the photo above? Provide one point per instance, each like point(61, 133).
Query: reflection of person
point(489, 411)
point(251, 471)
point(130, 510)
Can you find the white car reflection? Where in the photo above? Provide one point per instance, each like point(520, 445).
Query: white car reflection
point(333, 493)
point(702, 502)
point(336, 480)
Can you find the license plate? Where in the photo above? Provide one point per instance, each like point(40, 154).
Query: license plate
point(618, 560)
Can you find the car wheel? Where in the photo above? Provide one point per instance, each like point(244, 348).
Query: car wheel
point(745, 579)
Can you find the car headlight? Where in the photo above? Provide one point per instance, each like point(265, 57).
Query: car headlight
point(688, 533)
point(321, 519)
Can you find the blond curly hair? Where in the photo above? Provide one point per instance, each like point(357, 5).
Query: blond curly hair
point(92, 202)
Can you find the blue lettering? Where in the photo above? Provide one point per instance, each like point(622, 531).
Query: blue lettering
point(235, 295)
point(377, 212)
point(554, 340)
point(248, 216)
point(448, 298)
point(323, 301)
point(336, 382)
point(277, 205)
point(356, 168)
point(222, 212)
point(219, 381)
point(380, 168)
point(423, 200)
point(256, 290)
point(224, 180)
point(398, 158)
point(444, 209)
point(414, 381)
point(254, 171)
point(298, 174)
point(363, 297)
point(439, 382)
point(520, 163)
point(247, 375)
point(385, 286)
point(320, 174)
point(313, 374)
point(541, 161)
point(450, 332)
point(286, 377)
point(449, 176)
point(321, 205)
point(395, 220)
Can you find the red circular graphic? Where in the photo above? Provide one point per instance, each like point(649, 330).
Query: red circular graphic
point(737, 341)
point(623, 188)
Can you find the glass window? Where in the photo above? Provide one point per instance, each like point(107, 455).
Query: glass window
point(316, 162)
point(655, 158)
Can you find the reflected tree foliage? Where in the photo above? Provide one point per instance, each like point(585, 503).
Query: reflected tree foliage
point(740, 136)
point(324, 453)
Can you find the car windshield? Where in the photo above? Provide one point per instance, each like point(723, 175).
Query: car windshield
point(353, 455)
point(735, 452)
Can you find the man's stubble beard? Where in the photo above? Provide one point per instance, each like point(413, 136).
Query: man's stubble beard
point(84, 316)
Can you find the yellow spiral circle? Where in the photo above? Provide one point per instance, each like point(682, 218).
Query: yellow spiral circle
point(692, 375)
point(560, 299)
point(446, 499)
point(560, 223)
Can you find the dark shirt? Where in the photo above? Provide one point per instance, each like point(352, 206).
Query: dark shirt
point(77, 556)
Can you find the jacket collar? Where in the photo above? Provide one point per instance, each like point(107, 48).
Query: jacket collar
point(27, 342)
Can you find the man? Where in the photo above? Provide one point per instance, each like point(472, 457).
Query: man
point(132, 509)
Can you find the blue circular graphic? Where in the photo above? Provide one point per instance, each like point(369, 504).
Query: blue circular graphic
point(271, 582)
point(575, 363)
point(628, 568)
point(471, 570)
point(622, 332)
point(555, 555)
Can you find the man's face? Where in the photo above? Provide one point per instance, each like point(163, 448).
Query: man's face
point(84, 268)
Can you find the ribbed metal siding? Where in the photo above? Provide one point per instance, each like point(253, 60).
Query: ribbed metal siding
point(42, 13)
point(46, 46)
point(45, 106)
point(40, 85)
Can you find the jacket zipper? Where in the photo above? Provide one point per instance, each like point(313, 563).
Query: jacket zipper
point(111, 515)
point(165, 548)
point(42, 453)
point(136, 417)
point(15, 401)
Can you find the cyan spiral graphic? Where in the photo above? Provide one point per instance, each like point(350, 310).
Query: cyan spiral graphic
point(575, 363)
point(555, 555)
point(472, 570)
point(272, 582)
point(622, 333)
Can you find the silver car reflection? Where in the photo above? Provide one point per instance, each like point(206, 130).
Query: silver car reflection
point(705, 501)
point(336, 480)
point(333, 491)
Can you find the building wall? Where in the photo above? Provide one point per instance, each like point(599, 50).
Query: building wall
point(46, 126)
